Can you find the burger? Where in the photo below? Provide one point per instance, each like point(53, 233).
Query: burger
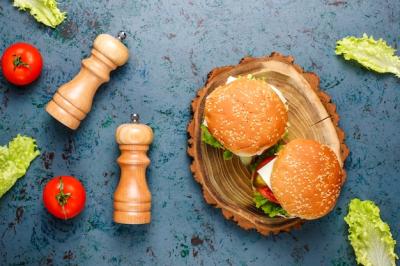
point(303, 180)
point(248, 117)
point(244, 117)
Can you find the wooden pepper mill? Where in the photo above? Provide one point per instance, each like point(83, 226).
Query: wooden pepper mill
point(132, 198)
point(73, 100)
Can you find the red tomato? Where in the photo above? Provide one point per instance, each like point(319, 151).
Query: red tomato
point(21, 63)
point(64, 197)
point(265, 162)
point(268, 194)
point(265, 191)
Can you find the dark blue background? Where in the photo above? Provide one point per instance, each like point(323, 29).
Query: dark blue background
point(174, 44)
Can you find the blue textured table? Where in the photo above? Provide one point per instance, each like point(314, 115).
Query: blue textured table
point(173, 45)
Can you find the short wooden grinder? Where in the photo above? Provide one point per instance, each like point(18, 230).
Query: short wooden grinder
point(73, 100)
point(132, 198)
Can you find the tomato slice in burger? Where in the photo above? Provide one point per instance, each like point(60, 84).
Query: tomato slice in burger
point(264, 162)
point(267, 193)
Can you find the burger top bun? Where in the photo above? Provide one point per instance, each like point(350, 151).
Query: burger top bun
point(246, 116)
point(306, 179)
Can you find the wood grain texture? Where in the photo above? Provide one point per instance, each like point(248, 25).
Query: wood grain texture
point(226, 184)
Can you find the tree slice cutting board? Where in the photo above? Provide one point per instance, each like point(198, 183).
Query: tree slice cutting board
point(226, 184)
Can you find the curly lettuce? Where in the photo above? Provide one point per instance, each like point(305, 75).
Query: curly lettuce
point(44, 11)
point(373, 54)
point(370, 237)
point(15, 160)
point(268, 207)
point(207, 138)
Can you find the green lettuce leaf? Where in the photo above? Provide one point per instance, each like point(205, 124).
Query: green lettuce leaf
point(227, 155)
point(207, 138)
point(372, 54)
point(44, 11)
point(268, 207)
point(370, 237)
point(15, 160)
point(268, 153)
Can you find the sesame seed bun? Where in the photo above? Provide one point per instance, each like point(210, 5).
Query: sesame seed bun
point(246, 116)
point(306, 179)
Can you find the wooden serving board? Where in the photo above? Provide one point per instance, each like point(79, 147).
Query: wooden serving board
point(226, 184)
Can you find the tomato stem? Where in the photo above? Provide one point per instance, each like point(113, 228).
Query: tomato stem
point(18, 62)
point(62, 198)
